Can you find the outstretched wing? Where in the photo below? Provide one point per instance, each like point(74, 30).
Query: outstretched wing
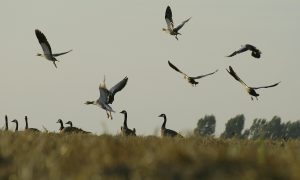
point(43, 42)
point(118, 87)
point(181, 25)
point(168, 17)
point(59, 54)
point(273, 85)
point(233, 74)
point(103, 93)
point(242, 49)
point(175, 68)
point(198, 77)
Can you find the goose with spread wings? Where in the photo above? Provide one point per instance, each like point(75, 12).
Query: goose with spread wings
point(250, 90)
point(169, 20)
point(47, 52)
point(191, 80)
point(255, 52)
point(107, 96)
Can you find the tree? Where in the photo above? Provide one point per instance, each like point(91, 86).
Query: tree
point(234, 127)
point(206, 126)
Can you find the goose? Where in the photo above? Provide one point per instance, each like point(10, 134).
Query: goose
point(17, 124)
point(167, 132)
point(107, 96)
point(47, 52)
point(251, 90)
point(29, 129)
point(255, 52)
point(6, 123)
point(124, 129)
point(191, 80)
point(75, 129)
point(169, 20)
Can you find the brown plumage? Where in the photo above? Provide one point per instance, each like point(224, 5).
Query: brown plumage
point(168, 132)
point(124, 129)
point(75, 129)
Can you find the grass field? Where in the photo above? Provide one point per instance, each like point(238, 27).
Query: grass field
point(58, 156)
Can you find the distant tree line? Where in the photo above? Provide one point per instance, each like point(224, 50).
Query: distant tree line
point(260, 128)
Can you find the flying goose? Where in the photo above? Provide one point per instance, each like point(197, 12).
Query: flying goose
point(124, 129)
point(191, 80)
point(167, 132)
point(255, 52)
point(75, 129)
point(47, 48)
point(250, 90)
point(169, 20)
point(17, 125)
point(107, 96)
point(29, 129)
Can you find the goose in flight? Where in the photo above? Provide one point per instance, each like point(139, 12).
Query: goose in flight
point(29, 129)
point(167, 132)
point(47, 52)
point(191, 80)
point(124, 129)
point(107, 96)
point(255, 52)
point(169, 20)
point(250, 90)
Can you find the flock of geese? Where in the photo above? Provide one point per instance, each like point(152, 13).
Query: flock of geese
point(107, 95)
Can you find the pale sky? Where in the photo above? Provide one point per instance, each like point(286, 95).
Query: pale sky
point(124, 38)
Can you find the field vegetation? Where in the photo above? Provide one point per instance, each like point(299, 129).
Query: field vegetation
point(85, 156)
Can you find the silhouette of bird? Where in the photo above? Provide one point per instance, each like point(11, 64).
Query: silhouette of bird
point(169, 20)
point(167, 132)
point(255, 52)
point(17, 125)
point(107, 96)
point(191, 80)
point(124, 129)
point(29, 129)
point(250, 90)
point(6, 123)
point(75, 129)
point(47, 52)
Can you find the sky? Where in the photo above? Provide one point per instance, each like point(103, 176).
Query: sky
point(125, 38)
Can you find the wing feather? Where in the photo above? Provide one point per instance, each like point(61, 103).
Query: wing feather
point(198, 77)
point(175, 68)
point(119, 86)
point(169, 19)
point(43, 42)
point(59, 54)
point(181, 25)
point(273, 85)
point(236, 77)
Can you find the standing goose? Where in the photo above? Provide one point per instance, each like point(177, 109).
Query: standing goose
point(255, 52)
point(167, 132)
point(124, 129)
point(75, 129)
point(17, 125)
point(107, 96)
point(29, 129)
point(169, 20)
point(6, 123)
point(47, 48)
point(191, 80)
point(250, 90)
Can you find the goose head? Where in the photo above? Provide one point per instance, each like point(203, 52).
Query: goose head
point(123, 112)
point(162, 115)
point(59, 121)
point(15, 121)
point(39, 54)
point(70, 123)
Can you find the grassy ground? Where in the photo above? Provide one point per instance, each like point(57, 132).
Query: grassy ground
point(57, 156)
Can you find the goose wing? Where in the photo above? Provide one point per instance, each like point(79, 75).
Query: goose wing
point(103, 94)
point(43, 42)
point(235, 76)
point(273, 85)
point(168, 17)
point(59, 54)
point(198, 77)
point(242, 49)
point(175, 68)
point(119, 86)
point(181, 25)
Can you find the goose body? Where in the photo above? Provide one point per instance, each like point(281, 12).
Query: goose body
point(254, 51)
point(124, 129)
point(107, 96)
point(168, 132)
point(29, 129)
point(47, 52)
point(75, 129)
point(191, 80)
point(170, 24)
point(250, 90)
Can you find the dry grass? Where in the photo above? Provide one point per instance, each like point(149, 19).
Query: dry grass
point(57, 156)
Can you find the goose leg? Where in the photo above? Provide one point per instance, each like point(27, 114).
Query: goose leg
point(107, 115)
point(251, 98)
point(110, 115)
